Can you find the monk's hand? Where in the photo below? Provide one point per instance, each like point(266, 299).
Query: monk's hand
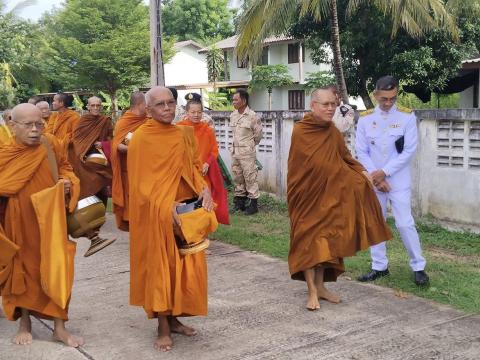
point(67, 186)
point(205, 169)
point(98, 144)
point(368, 176)
point(384, 186)
point(176, 218)
point(378, 176)
point(207, 201)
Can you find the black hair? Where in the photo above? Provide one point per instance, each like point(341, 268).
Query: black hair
point(243, 94)
point(174, 92)
point(387, 83)
point(193, 96)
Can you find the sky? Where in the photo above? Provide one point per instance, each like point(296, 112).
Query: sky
point(34, 12)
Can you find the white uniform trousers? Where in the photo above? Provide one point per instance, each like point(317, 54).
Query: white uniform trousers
point(402, 212)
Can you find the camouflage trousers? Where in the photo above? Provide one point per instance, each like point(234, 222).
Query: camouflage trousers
point(245, 172)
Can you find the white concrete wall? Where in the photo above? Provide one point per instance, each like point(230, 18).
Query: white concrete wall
point(186, 67)
point(466, 98)
point(446, 170)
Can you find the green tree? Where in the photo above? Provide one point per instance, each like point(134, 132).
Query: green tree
point(265, 18)
point(200, 20)
point(215, 64)
point(100, 45)
point(318, 79)
point(268, 77)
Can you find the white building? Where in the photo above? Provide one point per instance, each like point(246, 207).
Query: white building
point(187, 66)
point(277, 50)
point(470, 79)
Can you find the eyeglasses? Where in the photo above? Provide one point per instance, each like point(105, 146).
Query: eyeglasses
point(169, 103)
point(38, 125)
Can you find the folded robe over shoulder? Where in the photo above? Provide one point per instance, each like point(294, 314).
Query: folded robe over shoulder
point(333, 209)
point(129, 122)
point(25, 171)
point(161, 280)
point(61, 125)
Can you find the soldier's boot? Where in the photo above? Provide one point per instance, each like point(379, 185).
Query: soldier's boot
point(239, 203)
point(252, 207)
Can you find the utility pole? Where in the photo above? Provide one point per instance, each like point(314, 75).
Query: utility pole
point(157, 75)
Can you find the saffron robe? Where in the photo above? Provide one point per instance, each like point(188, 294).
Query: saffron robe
point(61, 125)
point(161, 280)
point(128, 123)
point(333, 209)
point(208, 153)
point(25, 171)
point(5, 134)
point(93, 177)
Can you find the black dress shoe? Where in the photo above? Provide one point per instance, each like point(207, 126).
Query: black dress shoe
point(421, 278)
point(373, 275)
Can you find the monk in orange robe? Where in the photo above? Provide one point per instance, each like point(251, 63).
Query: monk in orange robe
point(62, 123)
point(164, 170)
point(333, 208)
point(124, 128)
point(93, 135)
point(5, 133)
point(47, 115)
point(25, 169)
point(208, 153)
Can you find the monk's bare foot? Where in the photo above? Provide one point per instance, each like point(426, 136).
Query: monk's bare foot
point(67, 338)
point(178, 328)
point(329, 296)
point(312, 303)
point(24, 333)
point(164, 340)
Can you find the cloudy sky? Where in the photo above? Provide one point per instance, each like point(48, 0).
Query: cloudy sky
point(34, 12)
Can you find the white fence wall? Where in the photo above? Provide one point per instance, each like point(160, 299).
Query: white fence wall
point(446, 170)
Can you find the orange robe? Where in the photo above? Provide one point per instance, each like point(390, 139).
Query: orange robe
point(163, 167)
point(61, 125)
point(93, 177)
point(129, 122)
point(333, 209)
point(25, 171)
point(5, 134)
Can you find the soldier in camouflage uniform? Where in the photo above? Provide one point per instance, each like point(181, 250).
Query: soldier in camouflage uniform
point(247, 133)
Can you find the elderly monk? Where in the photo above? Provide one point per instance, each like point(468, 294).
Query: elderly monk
point(5, 133)
point(92, 136)
point(62, 123)
point(208, 153)
point(26, 168)
point(124, 128)
point(45, 109)
point(332, 205)
point(163, 170)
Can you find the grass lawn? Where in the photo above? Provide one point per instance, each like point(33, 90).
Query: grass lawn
point(453, 258)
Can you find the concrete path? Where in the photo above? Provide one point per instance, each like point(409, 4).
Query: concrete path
point(256, 312)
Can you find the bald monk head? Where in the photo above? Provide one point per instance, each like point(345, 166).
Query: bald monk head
point(161, 104)
point(94, 105)
point(61, 102)
point(34, 100)
point(7, 115)
point(138, 104)
point(323, 104)
point(44, 108)
point(27, 124)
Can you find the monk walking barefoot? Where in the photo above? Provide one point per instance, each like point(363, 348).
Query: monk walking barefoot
point(63, 335)
point(24, 333)
point(332, 205)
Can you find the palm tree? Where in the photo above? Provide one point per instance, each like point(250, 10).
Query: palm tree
point(264, 18)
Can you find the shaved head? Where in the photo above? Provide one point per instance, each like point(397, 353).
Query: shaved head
point(323, 103)
point(161, 104)
point(44, 108)
point(27, 124)
point(94, 105)
point(138, 104)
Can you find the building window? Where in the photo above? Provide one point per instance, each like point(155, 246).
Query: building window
point(293, 53)
point(264, 58)
point(242, 64)
point(296, 100)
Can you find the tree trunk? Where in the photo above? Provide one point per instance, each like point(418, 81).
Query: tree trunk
point(337, 56)
point(270, 100)
point(363, 90)
point(113, 97)
point(157, 76)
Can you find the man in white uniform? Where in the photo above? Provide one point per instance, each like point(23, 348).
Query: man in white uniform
point(386, 142)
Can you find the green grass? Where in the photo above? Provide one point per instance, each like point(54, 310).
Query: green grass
point(453, 258)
